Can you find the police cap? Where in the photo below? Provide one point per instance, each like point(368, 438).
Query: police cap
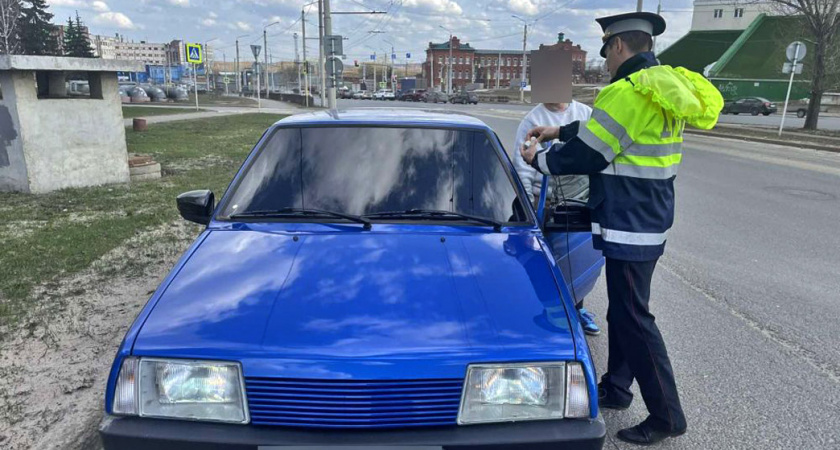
point(646, 22)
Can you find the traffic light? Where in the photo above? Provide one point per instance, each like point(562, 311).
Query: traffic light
point(356, 62)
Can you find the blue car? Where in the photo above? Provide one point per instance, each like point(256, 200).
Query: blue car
point(371, 279)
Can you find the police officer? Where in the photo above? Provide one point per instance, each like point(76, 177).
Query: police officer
point(631, 148)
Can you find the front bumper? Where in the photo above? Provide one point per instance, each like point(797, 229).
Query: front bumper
point(130, 433)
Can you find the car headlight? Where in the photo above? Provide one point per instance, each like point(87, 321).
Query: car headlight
point(181, 389)
point(520, 392)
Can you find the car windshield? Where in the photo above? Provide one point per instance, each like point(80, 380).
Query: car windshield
point(374, 170)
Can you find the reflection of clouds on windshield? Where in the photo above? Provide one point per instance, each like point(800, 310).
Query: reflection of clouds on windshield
point(359, 168)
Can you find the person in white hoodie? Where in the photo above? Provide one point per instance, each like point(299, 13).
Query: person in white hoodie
point(572, 186)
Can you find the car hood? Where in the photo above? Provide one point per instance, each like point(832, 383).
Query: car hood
point(348, 304)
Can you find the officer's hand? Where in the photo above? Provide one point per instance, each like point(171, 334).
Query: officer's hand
point(543, 134)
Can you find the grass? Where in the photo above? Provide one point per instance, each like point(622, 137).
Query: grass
point(49, 236)
point(222, 100)
point(130, 112)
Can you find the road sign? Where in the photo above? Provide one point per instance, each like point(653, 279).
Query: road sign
point(334, 67)
point(522, 84)
point(225, 80)
point(791, 51)
point(393, 56)
point(373, 57)
point(334, 44)
point(255, 49)
point(408, 56)
point(194, 54)
point(786, 68)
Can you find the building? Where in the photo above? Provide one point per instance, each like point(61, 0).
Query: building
point(578, 55)
point(747, 62)
point(712, 15)
point(492, 68)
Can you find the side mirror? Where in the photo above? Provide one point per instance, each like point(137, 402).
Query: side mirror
point(571, 217)
point(197, 206)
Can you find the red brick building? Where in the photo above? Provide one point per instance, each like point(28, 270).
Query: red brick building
point(493, 68)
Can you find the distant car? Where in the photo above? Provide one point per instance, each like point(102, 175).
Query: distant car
point(384, 94)
point(435, 97)
point(464, 98)
point(752, 105)
point(372, 279)
point(414, 95)
point(345, 93)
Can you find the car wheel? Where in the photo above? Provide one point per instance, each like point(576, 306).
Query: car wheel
point(754, 111)
point(766, 113)
point(800, 113)
point(735, 113)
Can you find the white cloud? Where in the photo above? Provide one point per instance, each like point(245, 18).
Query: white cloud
point(526, 7)
point(100, 6)
point(114, 20)
point(442, 6)
point(241, 26)
point(213, 15)
point(208, 22)
point(182, 3)
point(69, 3)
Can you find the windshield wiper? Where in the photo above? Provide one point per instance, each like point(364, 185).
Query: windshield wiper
point(310, 212)
point(430, 214)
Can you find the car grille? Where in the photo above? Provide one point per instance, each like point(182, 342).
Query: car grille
point(353, 403)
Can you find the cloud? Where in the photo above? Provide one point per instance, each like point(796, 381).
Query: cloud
point(241, 26)
point(69, 3)
point(181, 3)
point(442, 6)
point(114, 20)
point(209, 22)
point(213, 15)
point(100, 6)
point(526, 7)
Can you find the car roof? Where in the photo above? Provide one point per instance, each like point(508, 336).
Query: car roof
point(384, 116)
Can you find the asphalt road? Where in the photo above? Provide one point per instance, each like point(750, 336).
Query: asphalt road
point(831, 122)
point(746, 294)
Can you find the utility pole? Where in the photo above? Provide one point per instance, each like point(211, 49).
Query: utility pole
point(328, 31)
point(432, 71)
point(265, 55)
point(524, 62)
point(236, 68)
point(498, 70)
point(639, 5)
point(323, 83)
point(305, 68)
point(449, 63)
point(297, 62)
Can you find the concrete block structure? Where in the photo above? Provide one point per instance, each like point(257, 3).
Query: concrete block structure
point(51, 140)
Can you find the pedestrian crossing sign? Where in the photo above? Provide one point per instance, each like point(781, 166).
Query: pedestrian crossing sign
point(194, 54)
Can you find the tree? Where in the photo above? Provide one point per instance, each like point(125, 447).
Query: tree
point(34, 29)
point(76, 42)
point(9, 13)
point(822, 18)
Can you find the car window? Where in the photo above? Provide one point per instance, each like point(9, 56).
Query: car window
point(365, 170)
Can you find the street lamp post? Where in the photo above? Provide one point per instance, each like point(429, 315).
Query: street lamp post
point(236, 66)
point(449, 63)
point(391, 59)
point(207, 70)
point(524, 58)
point(265, 46)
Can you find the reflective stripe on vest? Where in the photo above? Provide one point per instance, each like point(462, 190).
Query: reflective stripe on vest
point(627, 237)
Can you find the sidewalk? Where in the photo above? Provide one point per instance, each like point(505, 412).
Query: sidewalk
point(769, 136)
point(268, 107)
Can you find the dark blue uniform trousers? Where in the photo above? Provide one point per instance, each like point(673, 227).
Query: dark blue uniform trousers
point(636, 346)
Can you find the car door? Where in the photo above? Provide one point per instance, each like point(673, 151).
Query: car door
point(568, 233)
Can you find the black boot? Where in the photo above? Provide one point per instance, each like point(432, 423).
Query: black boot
point(609, 401)
point(645, 434)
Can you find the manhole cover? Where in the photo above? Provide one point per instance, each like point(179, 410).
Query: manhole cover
point(807, 194)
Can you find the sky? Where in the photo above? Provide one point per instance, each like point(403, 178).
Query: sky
point(408, 26)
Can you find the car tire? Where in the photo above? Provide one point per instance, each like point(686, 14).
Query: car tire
point(754, 111)
point(735, 113)
point(766, 113)
point(801, 113)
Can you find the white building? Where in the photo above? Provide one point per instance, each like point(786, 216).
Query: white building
point(727, 14)
point(117, 48)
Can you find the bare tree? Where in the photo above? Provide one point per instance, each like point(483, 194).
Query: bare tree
point(9, 14)
point(823, 21)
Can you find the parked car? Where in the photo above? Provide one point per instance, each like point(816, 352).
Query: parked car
point(384, 94)
point(435, 97)
point(386, 314)
point(345, 93)
point(752, 105)
point(413, 95)
point(464, 98)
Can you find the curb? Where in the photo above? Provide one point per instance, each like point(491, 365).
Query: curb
point(738, 137)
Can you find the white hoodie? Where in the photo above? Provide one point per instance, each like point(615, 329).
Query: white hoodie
point(573, 186)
